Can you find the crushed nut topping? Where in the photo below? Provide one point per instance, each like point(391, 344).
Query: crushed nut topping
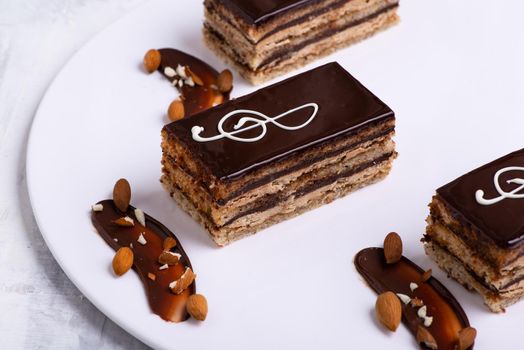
point(183, 282)
point(140, 217)
point(169, 243)
point(416, 302)
point(97, 207)
point(194, 77)
point(169, 72)
point(422, 311)
point(181, 71)
point(170, 258)
point(428, 320)
point(125, 222)
point(141, 239)
point(404, 298)
point(190, 82)
point(413, 286)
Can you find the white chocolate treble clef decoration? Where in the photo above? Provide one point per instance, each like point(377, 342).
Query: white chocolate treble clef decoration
point(258, 123)
point(514, 194)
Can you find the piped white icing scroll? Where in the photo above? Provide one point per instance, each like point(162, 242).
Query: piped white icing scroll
point(258, 123)
point(514, 194)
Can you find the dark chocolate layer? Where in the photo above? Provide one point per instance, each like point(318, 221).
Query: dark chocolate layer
point(272, 200)
point(260, 11)
point(287, 52)
point(163, 302)
point(210, 6)
point(344, 106)
point(502, 222)
point(448, 316)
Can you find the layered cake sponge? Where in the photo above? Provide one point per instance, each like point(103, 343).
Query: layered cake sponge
point(271, 155)
point(476, 229)
point(266, 38)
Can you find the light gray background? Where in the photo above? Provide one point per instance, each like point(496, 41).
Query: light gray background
point(39, 307)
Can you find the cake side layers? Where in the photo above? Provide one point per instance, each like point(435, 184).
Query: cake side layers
point(279, 188)
point(307, 51)
point(254, 32)
point(500, 259)
point(256, 56)
point(495, 301)
point(297, 189)
point(223, 192)
point(498, 270)
point(288, 29)
point(295, 206)
point(490, 277)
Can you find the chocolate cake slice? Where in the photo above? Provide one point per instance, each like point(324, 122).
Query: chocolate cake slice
point(266, 38)
point(271, 155)
point(476, 229)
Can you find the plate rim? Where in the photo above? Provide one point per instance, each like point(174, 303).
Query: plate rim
point(29, 173)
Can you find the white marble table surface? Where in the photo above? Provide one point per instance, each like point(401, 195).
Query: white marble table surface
point(39, 307)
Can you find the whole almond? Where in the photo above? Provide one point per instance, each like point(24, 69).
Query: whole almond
point(388, 310)
point(176, 110)
point(424, 337)
point(169, 243)
point(166, 257)
point(196, 306)
point(392, 248)
point(426, 275)
point(194, 76)
point(122, 194)
point(152, 60)
point(466, 338)
point(225, 81)
point(122, 261)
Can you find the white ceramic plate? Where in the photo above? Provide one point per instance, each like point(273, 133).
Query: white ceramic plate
point(451, 71)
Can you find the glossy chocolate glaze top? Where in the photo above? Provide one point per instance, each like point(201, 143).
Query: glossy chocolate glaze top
point(163, 302)
point(344, 104)
point(502, 222)
point(257, 11)
point(195, 98)
point(448, 316)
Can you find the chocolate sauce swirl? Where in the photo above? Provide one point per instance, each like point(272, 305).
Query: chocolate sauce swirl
point(163, 302)
point(448, 316)
point(195, 98)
